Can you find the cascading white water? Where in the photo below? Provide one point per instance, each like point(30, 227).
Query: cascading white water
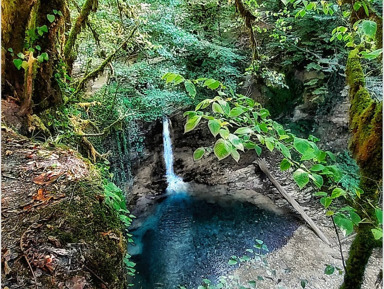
point(175, 183)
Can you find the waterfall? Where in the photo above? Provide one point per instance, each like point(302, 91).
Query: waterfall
point(175, 183)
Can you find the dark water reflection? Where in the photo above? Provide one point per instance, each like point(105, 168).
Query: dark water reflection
point(189, 239)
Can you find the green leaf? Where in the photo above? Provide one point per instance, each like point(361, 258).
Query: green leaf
point(192, 122)
point(269, 142)
point(320, 194)
point(190, 87)
point(301, 178)
point(284, 150)
point(371, 55)
point(10, 50)
point(50, 17)
point(244, 130)
point(379, 216)
point(18, 62)
point(224, 133)
point(301, 145)
point(365, 8)
point(222, 149)
point(344, 224)
point(337, 193)
point(38, 47)
point(235, 155)
point(21, 55)
point(217, 108)
point(258, 150)
point(329, 270)
point(252, 284)
point(43, 28)
point(369, 28)
point(212, 83)
point(317, 168)
point(198, 154)
point(231, 262)
point(326, 201)
point(377, 233)
point(214, 126)
point(285, 164)
point(236, 111)
point(355, 218)
point(24, 65)
point(234, 139)
point(357, 5)
point(45, 56)
point(317, 180)
point(303, 283)
point(179, 79)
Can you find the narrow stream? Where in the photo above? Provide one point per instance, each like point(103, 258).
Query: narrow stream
point(187, 239)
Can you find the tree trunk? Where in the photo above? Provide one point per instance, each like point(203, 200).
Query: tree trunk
point(69, 55)
point(34, 85)
point(366, 146)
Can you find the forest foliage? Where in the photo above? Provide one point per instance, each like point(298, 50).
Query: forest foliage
point(214, 53)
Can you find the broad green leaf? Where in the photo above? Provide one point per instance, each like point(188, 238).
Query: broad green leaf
point(179, 79)
point(222, 149)
point(285, 164)
point(214, 126)
point(190, 88)
point(377, 233)
point(234, 139)
point(337, 193)
point(264, 113)
point(225, 106)
point(356, 5)
point(249, 145)
point(24, 65)
point(284, 150)
point(212, 83)
point(45, 56)
point(18, 62)
point(198, 154)
point(344, 224)
point(224, 133)
point(204, 104)
point(50, 17)
point(369, 28)
point(236, 111)
point(244, 130)
point(269, 142)
point(217, 108)
point(192, 122)
point(301, 178)
point(21, 55)
point(379, 216)
point(301, 145)
point(235, 155)
point(43, 28)
point(309, 154)
point(317, 180)
point(231, 262)
point(258, 150)
point(317, 168)
point(371, 55)
point(355, 218)
point(326, 201)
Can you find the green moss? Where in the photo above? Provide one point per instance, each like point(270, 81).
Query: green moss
point(366, 147)
point(84, 220)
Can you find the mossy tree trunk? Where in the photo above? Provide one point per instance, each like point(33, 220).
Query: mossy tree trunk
point(34, 86)
point(366, 146)
point(88, 7)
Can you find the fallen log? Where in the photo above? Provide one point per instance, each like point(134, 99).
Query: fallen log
point(263, 166)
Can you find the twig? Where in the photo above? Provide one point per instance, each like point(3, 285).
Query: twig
point(106, 129)
point(263, 166)
point(90, 270)
point(30, 267)
point(340, 248)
